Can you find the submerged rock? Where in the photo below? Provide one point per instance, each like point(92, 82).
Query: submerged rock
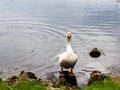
point(95, 53)
point(96, 76)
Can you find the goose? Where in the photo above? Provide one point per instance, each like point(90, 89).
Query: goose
point(68, 58)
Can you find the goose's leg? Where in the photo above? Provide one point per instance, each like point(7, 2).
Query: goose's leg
point(71, 73)
point(61, 69)
point(71, 70)
point(61, 74)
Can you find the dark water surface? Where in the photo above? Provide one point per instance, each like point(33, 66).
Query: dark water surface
point(33, 33)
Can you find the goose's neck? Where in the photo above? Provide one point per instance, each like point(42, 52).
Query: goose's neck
point(69, 44)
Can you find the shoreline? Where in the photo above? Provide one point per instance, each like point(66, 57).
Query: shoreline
point(51, 80)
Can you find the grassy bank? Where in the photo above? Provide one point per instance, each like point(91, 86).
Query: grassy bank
point(108, 84)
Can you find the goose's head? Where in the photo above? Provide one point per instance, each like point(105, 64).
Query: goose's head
point(69, 35)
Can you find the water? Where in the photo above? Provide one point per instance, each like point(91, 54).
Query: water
point(33, 33)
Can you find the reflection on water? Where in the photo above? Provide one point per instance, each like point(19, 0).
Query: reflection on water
point(33, 33)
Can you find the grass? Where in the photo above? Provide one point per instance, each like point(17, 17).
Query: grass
point(23, 85)
point(29, 85)
point(108, 84)
point(3, 86)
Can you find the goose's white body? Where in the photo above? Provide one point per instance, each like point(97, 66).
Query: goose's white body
point(68, 59)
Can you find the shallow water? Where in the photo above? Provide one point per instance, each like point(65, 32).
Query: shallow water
point(33, 33)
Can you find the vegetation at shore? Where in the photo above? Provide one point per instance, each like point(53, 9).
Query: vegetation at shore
point(107, 84)
point(24, 85)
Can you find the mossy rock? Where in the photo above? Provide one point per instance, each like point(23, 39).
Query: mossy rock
point(12, 80)
point(96, 76)
point(27, 75)
point(24, 76)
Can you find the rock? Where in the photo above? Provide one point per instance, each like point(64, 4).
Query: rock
point(49, 79)
point(27, 75)
point(61, 82)
point(12, 80)
point(96, 76)
point(95, 53)
point(24, 76)
point(65, 79)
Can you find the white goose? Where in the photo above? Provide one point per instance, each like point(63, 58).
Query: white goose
point(68, 58)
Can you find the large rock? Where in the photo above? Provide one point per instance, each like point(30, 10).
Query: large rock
point(67, 80)
point(27, 75)
point(96, 76)
point(12, 80)
point(22, 77)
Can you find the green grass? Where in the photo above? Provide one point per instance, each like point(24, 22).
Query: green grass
point(3, 86)
point(28, 85)
point(108, 84)
point(24, 85)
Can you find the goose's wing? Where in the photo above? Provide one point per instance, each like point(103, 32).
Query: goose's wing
point(62, 56)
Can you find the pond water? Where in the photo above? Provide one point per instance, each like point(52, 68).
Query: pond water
point(33, 33)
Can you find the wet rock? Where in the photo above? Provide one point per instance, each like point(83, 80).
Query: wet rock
point(24, 76)
point(49, 79)
point(66, 79)
point(27, 75)
point(61, 82)
point(96, 76)
point(95, 53)
point(12, 80)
